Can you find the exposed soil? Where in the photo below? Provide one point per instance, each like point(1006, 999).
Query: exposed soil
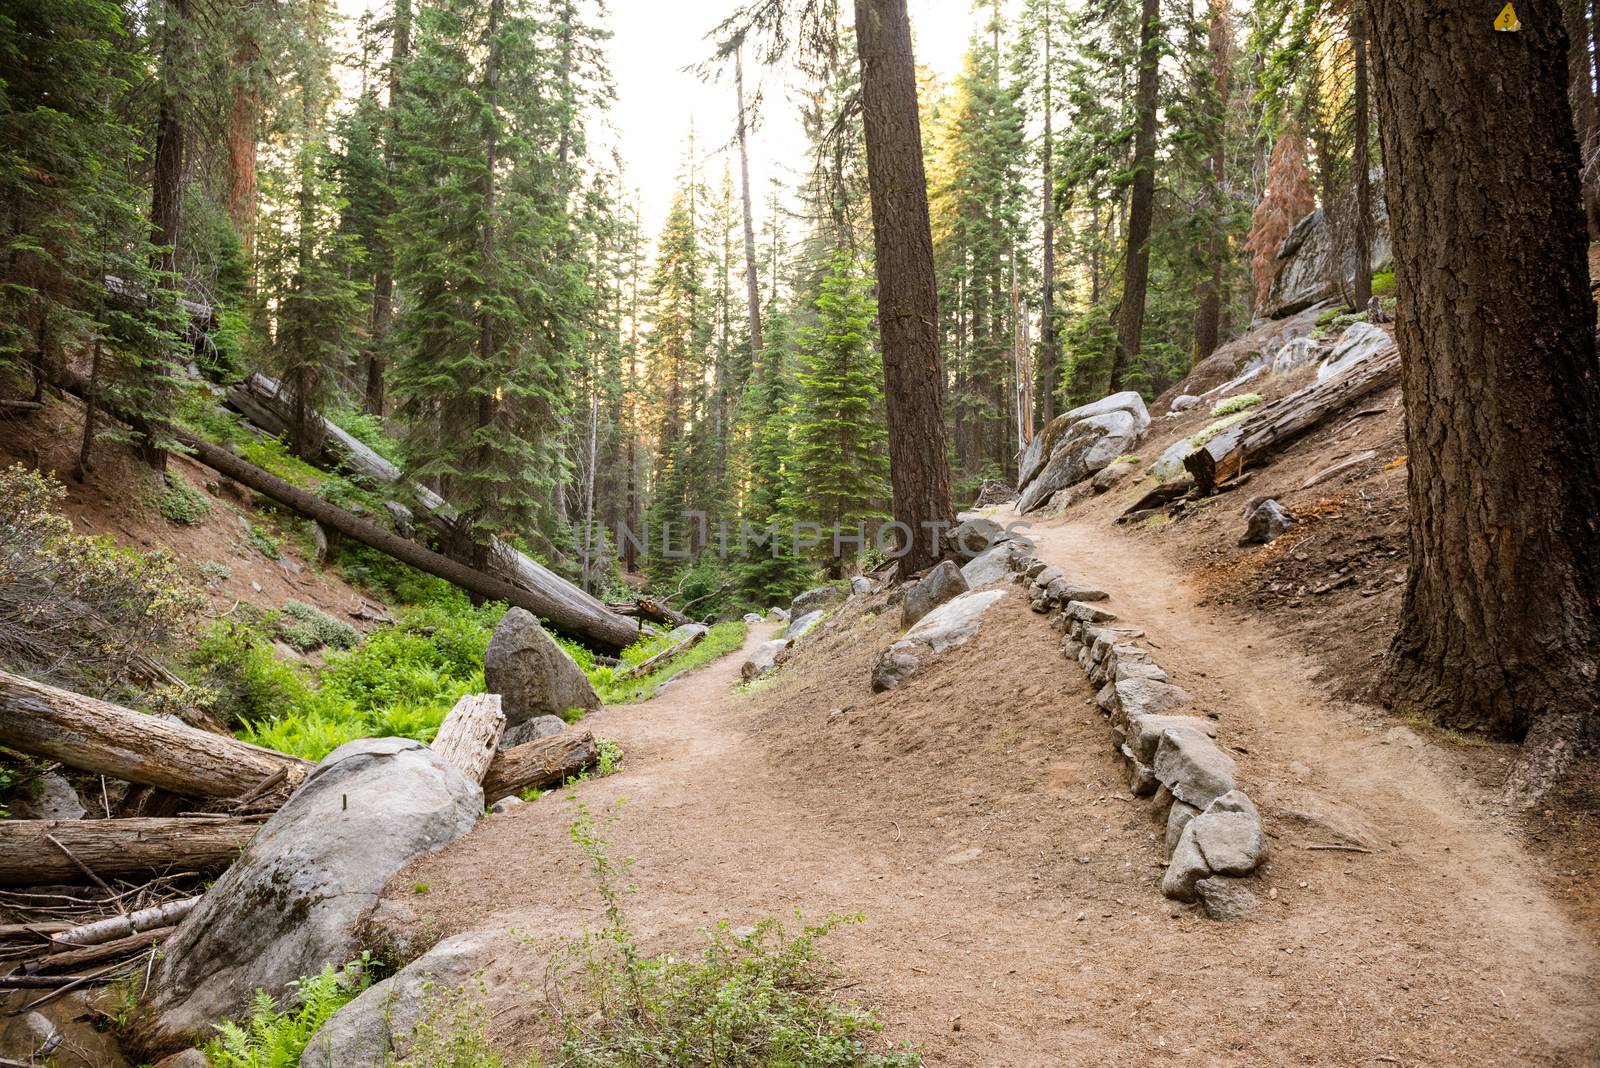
point(980, 820)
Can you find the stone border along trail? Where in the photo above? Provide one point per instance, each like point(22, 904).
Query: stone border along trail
point(1011, 885)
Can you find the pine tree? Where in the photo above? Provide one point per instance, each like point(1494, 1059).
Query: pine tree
point(839, 460)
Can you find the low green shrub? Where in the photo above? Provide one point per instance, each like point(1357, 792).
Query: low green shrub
point(746, 1001)
point(1383, 284)
point(181, 503)
point(274, 1038)
point(306, 628)
point(263, 541)
point(1233, 405)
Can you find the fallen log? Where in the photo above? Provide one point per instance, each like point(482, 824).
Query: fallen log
point(94, 735)
point(651, 609)
point(644, 666)
point(31, 853)
point(470, 734)
point(573, 612)
point(1275, 425)
point(67, 959)
point(166, 914)
point(540, 764)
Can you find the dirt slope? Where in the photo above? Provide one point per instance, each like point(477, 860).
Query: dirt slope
point(978, 818)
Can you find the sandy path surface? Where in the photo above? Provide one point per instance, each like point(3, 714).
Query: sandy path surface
point(980, 821)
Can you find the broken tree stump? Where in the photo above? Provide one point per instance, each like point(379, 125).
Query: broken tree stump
point(470, 734)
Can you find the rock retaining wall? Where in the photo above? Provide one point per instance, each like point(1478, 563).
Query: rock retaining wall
point(1214, 834)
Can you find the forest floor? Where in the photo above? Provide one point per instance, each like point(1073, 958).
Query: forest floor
point(979, 819)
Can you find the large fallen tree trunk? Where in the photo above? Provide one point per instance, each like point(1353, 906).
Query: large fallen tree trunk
point(35, 852)
point(93, 735)
point(261, 401)
point(539, 765)
point(1273, 426)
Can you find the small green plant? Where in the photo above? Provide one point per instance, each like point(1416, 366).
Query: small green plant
point(1383, 284)
point(451, 1032)
point(306, 628)
point(181, 503)
point(746, 1001)
point(420, 888)
point(263, 541)
point(1335, 321)
point(1211, 431)
point(274, 1038)
point(721, 639)
point(1233, 405)
point(213, 573)
point(1126, 458)
point(609, 762)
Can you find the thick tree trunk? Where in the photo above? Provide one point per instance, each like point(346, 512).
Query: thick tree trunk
point(752, 290)
point(381, 320)
point(112, 848)
point(1500, 630)
point(908, 301)
point(540, 765)
point(166, 185)
point(1049, 343)
point(1136, 273)
point(1208, 316)
point(98, 736)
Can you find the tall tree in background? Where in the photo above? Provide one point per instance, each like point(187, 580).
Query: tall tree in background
point(1038, 59)
point(1208, 314)
point(1500, 629)
point(908, 301)
point(1136, 269)
point(751, 283)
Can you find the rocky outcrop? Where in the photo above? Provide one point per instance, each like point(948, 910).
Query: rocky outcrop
point(1044, 444)
point(1078, 445)
point(1307, 274)
point(941, 584)
point(1359, 343)
point(763, 660)
point(296, 899)
point(532, 674)
point(953, 623)
point(1267, 521)
point(813, 599)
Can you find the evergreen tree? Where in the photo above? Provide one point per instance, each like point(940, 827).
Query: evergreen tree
point(839, 464)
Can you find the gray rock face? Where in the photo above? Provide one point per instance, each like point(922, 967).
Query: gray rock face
point(974, 537)
point(1147, 697)
point(1267, 521)
point(1226, 900)
point(1088, 613)
point(951, 624)
point(1231, 842)
point(1169, 465)
point(937, 586)
point(685, 631)
point(1179, 816)
point(1144, 732)
point(1183, 402)
point(752, 618)
point(53, 798)
point(996, 563)
point(1187, 867)
point(1110, 476)
point(189, 1058)
point(532, 674)
point(295, 900)
point(531, 730)
point(763, 660)
point(1088, 446)
point(1190, 765)
point(860, 585)
point(813, 599)
point(379, 1024)
point(802, 624)
point(1062, 590)
point(1295, 353)
point(1305, 273)
point(1359, 342)
point(778, 615)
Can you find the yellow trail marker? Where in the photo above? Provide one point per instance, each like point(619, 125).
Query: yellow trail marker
point(1508, 21)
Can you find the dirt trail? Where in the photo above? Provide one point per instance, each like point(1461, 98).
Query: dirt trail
point(980, 821)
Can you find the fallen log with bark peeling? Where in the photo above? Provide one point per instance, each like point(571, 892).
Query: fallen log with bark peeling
point(67, 959)
point(540, 764)
point(94, 735)
point(34, 852)
point(1274, 426)
point(166, 914)
point(572, 611)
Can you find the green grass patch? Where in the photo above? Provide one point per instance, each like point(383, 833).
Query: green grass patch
point(1383, 284)
point(722, 639)
point(1233, 405)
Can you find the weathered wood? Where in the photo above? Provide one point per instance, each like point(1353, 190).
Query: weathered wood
point(166, 914)
point(470, 734)
point(571, 610)
point(94, 735)
point(67, 959)
point(643, 666)
point(540, 764)
point(651, 609)
point(1275, 425)
point(137, 846)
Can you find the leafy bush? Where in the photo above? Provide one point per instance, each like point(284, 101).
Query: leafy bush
point(271, 1038)
point(722, 638)
point(1233, 405)
point(263, 541)
point(273, 456)
point(388, 579)
point(760, 999)
point(77, 608)
point(182, 503)
point(306, 628)
point(367, 429)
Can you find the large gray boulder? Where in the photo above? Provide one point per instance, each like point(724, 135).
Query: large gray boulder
point(51, 798)
point(802, 624)
point(1306, 272)
point(974, 537)
point(1044, 444)
point(936, 587)
point(1189, 764)
point(1295, 354)
point(295, 901)
point(1360, 342)
point(763, 660)
point(532, 674)
point(375, 1029)
point(952, 624)
point(813, 599)
point(998, 562)
point(1090, 445)
point(531, 730)
point(1225, 839)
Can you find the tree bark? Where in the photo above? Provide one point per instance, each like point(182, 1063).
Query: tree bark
point(539, 765)
point(1049, 343)
point(1136, 273)
point(470, 734)
point(98, 736)
point(1362, 163)
point(166, 184)
point(1208, 316)
point(375, 392)
point(1580, 93)
point(117, 847)
point(908, 301)
point(752, 288)
point(1500, 627)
